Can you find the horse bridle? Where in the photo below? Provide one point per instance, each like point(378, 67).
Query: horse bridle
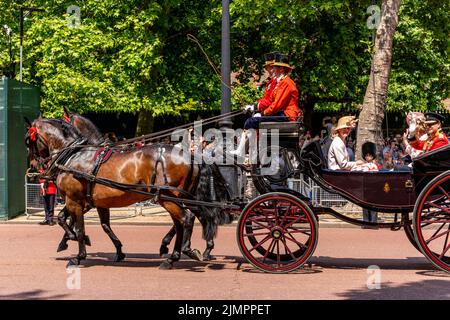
point(48, 164)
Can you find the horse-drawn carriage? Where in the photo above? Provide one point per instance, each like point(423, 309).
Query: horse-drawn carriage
point(278, 230)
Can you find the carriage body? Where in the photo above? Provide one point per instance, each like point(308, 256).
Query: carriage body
point(418, 195)
point(387, 191)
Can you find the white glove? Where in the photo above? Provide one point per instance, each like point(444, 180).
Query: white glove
point(249, 107)
point(257, 115)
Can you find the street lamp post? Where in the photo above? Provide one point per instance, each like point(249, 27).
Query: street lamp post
point(8, 32)
point(225, 67)
point(24, 12)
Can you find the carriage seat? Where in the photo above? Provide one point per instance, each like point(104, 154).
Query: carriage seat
point(285, 129)
point(313, 153)
point(288, 132)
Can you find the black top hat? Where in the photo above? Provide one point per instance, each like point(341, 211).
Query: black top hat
point(432, 117)
point(270, 58)
point(369, 148)
point(282, 60)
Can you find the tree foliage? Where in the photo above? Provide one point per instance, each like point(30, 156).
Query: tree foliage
point(135, 55)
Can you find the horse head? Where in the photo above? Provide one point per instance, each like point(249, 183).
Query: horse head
point(45, 137)
point(416, 125)
point(85, 126)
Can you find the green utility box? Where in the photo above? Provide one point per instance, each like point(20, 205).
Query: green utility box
point(17, 100)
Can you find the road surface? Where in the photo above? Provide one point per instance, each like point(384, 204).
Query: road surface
point(30, 268)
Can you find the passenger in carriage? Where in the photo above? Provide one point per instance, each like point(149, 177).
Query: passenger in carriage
point(283, 103)
point(436, 137)
point(338, 158)
point(369, 151)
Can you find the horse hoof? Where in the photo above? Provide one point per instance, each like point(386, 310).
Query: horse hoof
point(119, 257)
point(73, 262)
point(207, 257)
point(62, 246)
point(163, 250)
point(87, 241)
point(194, 254)
point(165, 265)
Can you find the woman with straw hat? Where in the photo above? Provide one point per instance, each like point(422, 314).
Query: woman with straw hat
point(338, 158)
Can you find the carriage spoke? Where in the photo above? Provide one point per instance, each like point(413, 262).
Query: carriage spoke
point(260, 244)
point(446, 238)
point(278, 253)
point(288, 209)
point(301, 245)
point(444, 251)
point(255, 234)
point(445, 209)
point(260, 224)
point(444, 192)
point(287, 248)
point(269, 250)
point(434, 234)
point(434, 237)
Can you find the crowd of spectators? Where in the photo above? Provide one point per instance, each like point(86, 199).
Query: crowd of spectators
point(391, 151)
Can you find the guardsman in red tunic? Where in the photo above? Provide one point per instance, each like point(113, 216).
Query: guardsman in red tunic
point(48, 191)
point(436, 137)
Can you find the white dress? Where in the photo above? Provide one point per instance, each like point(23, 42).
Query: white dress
point(338, 156)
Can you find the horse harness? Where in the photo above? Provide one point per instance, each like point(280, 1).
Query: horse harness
point(101, 156)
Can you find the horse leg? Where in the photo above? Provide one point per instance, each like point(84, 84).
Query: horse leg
point(207, 252)
point(68, 233)
point(104, 215)
point(176, 253)
point(188, 227)
point(163, 249)
point(77, 214)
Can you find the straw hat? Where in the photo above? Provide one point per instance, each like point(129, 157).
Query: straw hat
point(346, 122)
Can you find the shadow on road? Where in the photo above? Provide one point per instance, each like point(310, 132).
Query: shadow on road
point(420, 290)
point(31, 295)
point(142, 260)
point(393, 264)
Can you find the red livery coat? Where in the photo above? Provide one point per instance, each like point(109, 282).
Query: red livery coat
point(267, 98)
point(285, 98)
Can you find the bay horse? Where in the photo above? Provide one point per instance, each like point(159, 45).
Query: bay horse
point(90, 131)
point(50, 138)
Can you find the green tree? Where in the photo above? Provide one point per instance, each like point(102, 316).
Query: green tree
point(135, 56)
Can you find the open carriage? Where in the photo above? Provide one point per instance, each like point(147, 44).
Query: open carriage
point(278, 231)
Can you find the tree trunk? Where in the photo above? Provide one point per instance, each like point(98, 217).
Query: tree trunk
point(145, 122)
point(372, 113)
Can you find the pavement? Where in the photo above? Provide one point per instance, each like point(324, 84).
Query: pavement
point(156, 215)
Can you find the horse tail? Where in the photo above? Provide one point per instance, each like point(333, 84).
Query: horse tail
point(211, 187)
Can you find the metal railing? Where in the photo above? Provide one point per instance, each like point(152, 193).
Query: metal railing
point(34, 204)
point(318, 196)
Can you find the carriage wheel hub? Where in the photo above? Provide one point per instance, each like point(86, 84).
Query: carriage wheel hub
point(277, 232)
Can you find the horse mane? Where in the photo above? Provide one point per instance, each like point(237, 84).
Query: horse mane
point(90, 130)
point(68, 130)
point(212, 216)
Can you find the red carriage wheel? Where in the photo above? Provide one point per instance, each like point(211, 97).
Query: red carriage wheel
point(431, 221)
point(277, 232)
